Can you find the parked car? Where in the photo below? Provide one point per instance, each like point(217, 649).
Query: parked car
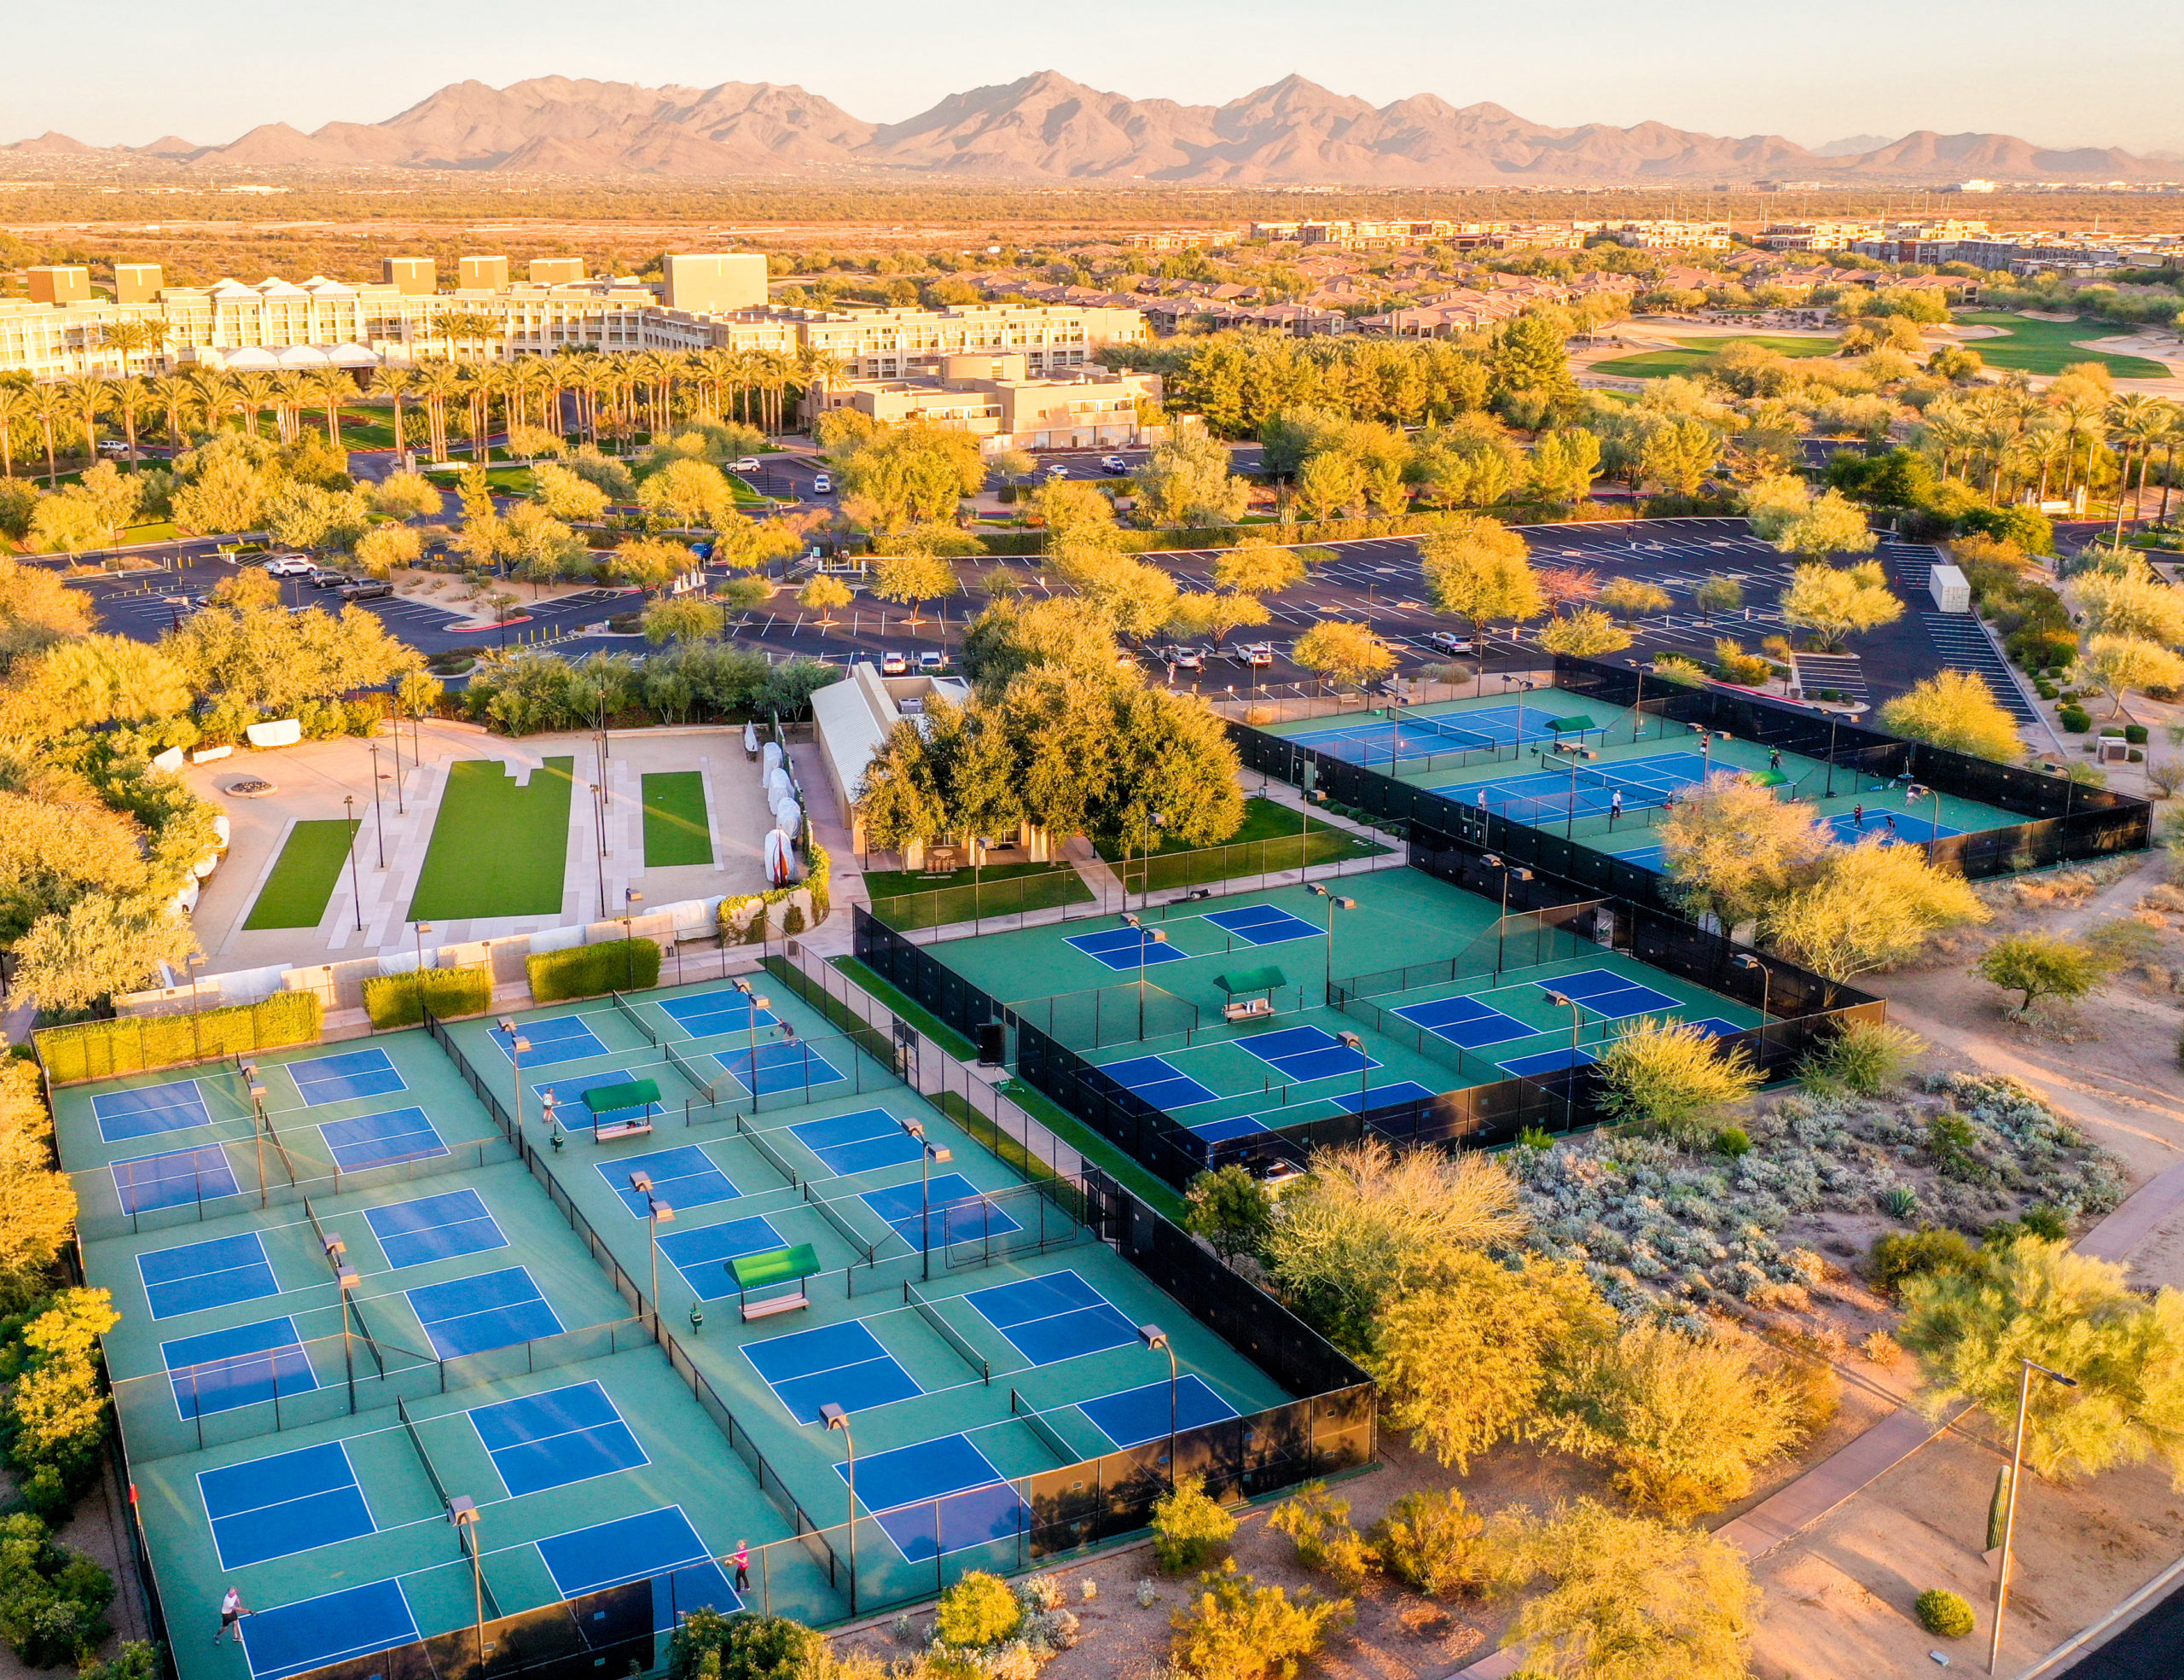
point(894, 664)
point(1114, 464)
point(112, 448)
point(1259, 653)
point(1188, 659)
point(931, 662)
point(744, 463)
point(324, 577)
point(366, 589)
point(1056, 472)
point(822, 484)
point(288, 565)
point(1448, 642)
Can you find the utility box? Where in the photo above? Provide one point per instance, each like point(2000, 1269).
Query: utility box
point(1951, 593)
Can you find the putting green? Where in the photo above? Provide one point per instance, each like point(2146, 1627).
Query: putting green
point(2049, 347)
point(295, 894)
point(498, 848)
point(1697, 352)
point(676, 830)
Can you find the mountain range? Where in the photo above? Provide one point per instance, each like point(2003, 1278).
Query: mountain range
point(1046, 127)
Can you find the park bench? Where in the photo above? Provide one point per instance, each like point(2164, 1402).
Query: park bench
point(623, 1110)
point(1267, 979)
point(765, 1269)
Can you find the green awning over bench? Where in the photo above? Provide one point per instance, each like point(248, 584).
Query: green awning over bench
point(1767, 778)
point(1578, 723)
point(774, 1265)
point(1253, 979)
point(614, 1099)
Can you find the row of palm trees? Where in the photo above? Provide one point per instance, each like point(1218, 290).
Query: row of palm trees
point(614, 395)
point(2010, 439)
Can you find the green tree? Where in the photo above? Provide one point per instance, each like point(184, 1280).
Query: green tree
point(1186, 481)
point(1330, 485)
point(1955, 710)
point(565, 495)
point(84, 684)
point(2117, 664)
point(1348, 653)
point(99, 945)
point(2132, 603)
point(2041, 965)
point(1869, 907)
point(679, 618)
point(649, 562)
point(1679, 454)
point(1531, 353)
point(687, 492)
point(1479, 569)
point(914, 473)
point(1830, 525)
point(1230, 1209)
point(1188, 1527)
point(410, 496)
point(383, 547)
point(913, 579)
point(1836, 602)
point(65, 524)
point(1586, 633)
point(38, 1201)
point(1565, 463)
point(1718, 594)
point(821, 595)
point(1671, 1074)
point(1629, 597)
point(1009, 638)
point(1258, 567)
point(1073, 511)
point(1731, 849)
point(1233, 1629)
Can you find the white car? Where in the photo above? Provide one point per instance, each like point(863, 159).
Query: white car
point(1056, 472)
point(822, 484)
point(895, 665)
point(1448, 642)
point(1114, 464)
point(1259, 653)
point(288, 565)
point(748, 463)
point(932, 664)
point(1188, 659)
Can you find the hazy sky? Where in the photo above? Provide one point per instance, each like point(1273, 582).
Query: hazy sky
point(128, 71)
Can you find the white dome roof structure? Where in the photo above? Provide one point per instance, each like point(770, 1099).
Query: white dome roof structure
point(352, 355)
point(252, 360)
point(303, 356)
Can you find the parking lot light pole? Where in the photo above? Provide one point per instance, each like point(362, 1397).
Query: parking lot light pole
point(1146, 937)
point(1334, 903)
point(2009, 1515)
point(378, 816)
point(928, 1152)
point(1156, 1338)
point(835, 1418)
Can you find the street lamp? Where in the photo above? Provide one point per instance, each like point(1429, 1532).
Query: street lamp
point(1637, 705)
point(928, 1152)
point(1747, 960)
point(630, 900)
point(195, 961)
point(835, 1418)
point(379, 816)
point(1705, 748)
point(356, 892)
point(421, 928)
point(657, 1213)
point(462, 1512)
point(757, 1005)
point(599, 851)
point(1576, 1019)
point(1351, 1041)
point(518, 1044)
point(1156, 1338)
point(1493, 861)
point(2009, 1516)
point(1334, 903)
point(1146, 938)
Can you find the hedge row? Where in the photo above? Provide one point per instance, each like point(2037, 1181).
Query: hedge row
point(400, 1000)
point(1033, 542)
point(100, 1050)
point(592, 971)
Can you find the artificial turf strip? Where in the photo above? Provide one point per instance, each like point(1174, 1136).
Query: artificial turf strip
point(676, 830)
point(498, 849)
point(295, 894)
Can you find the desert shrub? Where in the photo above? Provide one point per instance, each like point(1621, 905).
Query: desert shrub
point(979, 1610)
point(1866, 1057)
point(98, 1050)
point(1944, 1613)
point(1233, 1629)
point(1669, 1074)
point(744, 1646)
point(136, 1659)
point(1434, 1543)
point(1734, 1141)
point(1320, 1528)
point(1906, 1254)
point(1189, 1527)
point(591, 971)
point(52, 1601)
point(1230, 1209)
point(401, 1000)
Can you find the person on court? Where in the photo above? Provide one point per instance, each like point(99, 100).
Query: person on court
point(231, 1614)
point(1891, 823)
point(1858, 818)
point(1774, 757)
point(741, 1560)
point(1614, 807)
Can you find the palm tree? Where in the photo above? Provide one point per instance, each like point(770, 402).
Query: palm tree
point(124, 338)
point(2172, 436)
point(129, 398)
point(254, 393)
point(292, 394)
point(48, 407)
point(87, 398)
point(821, 368)
point(436, 382)
point(2081, 417)
point(174, 394)
point(334, 387)
point(2138, 419)
point(217, 392)
point(396, 383)
point(15, 410)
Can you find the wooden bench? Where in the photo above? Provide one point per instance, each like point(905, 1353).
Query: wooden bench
point(768, 1267)
point(1266, 980)
point(1249, 1009)
point(623, 1110)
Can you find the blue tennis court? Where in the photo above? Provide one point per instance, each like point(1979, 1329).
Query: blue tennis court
point(354, 1622)
point(715, 1012)
point(569, 1093)
point(1263, 925)
point(1550, 1062)
point(858, 1142)
point(1303, 1053)
point(1465, 1021)
point(434, 1228)
point(474, 1315)
point(960, 1213)
point(681, 1177)
point(1715, 1027)
point(239, 1366)
point(650, 1545)
point(782, 1065)
point(702, 1255)
point(939, 1497)
point(379, 1140)
point(1412, 735)
point(1137, 1415)
point(1605, 992)
point(174, 1179)
point(841, 1365)
point(1053, 1318)
point(339, 1079)
point(1586, 790)
point(1157, 1081)
point(1236, 1125)
point(123, 1114)
point(289, 1502)
point(1911, 829)
point(1384, 1096)
point(552, 1440)
point(561, 1039)
point(1122, 948)
point(200, 1274)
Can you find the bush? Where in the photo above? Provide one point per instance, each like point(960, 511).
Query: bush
point(1669, 1074)
point(977, 1611)
point(2075, 718)
point(100, 1050)
point(1237, 1630)
point(1906, 1254)
point(744, 1646)
point(1944, 1613)
point(1432, 1542)
point(401, 1000)
point(593, 971)
point(2135, 734)
point(135, 1661)
point(1866, 1057)
point(1325, 1540)
point(1189, 1527)
point(52, 1601)
point(1734, 1141)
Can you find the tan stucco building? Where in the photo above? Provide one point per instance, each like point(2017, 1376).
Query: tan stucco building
point(1009, 405)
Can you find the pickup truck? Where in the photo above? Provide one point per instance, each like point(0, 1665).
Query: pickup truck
point(1259, 655)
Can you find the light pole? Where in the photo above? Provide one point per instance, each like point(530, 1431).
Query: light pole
point(1494, 861)
point(1916, 791)
point(517, 1045)
point(1705, 748)
point(1146, 937)
point(1577, 1020)
point(1156, 1338)
point(1832, 721)
point(630, 900)
point(356, 892)
point(657, 1213)
point(379, 816)
point(928, 1152)
point(422, 928)
point(1637, 705)
point(2009, 1515)
point(1334, 903)
point(1351, 1041)
point(835, 1418)
point(757, 1003)
point(194, 961)
point(462, 1512)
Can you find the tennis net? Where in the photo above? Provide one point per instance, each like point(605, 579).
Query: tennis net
point(1469, 740)
point(1048, 1436)
point(948, 1333)
point(682, 1065)
point(634, 1019)
point(772, 1156)
point(834, 1217)
point(417, 1445)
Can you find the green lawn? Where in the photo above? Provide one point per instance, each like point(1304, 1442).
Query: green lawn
point(896, 883)
point(1698, 352)
point(311, 862)
point(909, 900)
point(2049, 347)
point(1283, 829)
point(498, 849)
point(676, 830)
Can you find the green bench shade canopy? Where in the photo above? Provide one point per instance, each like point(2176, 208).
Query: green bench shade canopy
point(774, 1265)
point(1578, 723)
point(1768, 778)
point(1253, 979)
point(614, 1099)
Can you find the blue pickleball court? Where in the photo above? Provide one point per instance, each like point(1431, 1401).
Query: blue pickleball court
point(702, 1255)
point(938, 1497)
point(219, 1272)
point(683, 1177)
point(651, 1545)
point(434, 1228)
point(549, 1440)
point(1133, 1417)
point(1604, 992)
point(1156, 1080)
point(715, 1012)
point(1263, 925)
point(356, 1622)
point(149, 1110)
point(1053, 1318)
point(290, 1502)
point(1465, 1021)
point(957, 1210)
point(781, 1065)
point(1305, 1053)
point(342, 1077)
point(1120, 947)
point(559, 1039)
point(842, 1364)
point(173, 1179)
point(847, 1144)
point(381, 1140)
point(242, 1365)
point(475, 1315)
